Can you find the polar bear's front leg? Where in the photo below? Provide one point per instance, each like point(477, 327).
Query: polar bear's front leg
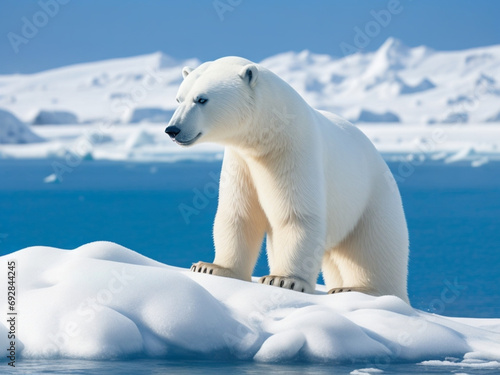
point(296, 209)
point(295, 253)
point(239, 225)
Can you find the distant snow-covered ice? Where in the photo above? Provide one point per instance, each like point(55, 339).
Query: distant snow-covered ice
point(474, 144)
point(422, 91)
point(104, 301)
point(416, 85)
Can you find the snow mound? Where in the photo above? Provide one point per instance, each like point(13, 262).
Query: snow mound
point(55, 118)
point(103, 301)
point(13, 131)
point(369, 116)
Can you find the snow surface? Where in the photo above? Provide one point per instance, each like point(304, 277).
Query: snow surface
point(418, 85)
point(102, 301)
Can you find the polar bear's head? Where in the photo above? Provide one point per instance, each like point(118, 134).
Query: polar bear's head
point(215, 102)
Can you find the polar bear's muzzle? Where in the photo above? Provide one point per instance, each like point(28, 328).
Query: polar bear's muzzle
point(172, 131)
point(175, 134)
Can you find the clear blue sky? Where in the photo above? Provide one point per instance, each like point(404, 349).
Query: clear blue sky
point(90, 30)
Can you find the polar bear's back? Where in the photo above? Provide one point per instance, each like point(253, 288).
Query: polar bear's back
point(350, 147)
point(353, 169)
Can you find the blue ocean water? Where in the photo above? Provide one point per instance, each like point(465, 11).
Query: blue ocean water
point(184, 367)
point(166, 210)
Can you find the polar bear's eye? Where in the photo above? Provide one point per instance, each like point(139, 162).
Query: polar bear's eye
point(177, 100)
point(201, 100)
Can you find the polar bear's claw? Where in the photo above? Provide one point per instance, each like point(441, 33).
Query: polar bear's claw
point(354, 289)
point(292, 283)
point(212, 269)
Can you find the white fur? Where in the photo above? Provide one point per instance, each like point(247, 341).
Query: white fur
point(309, 179)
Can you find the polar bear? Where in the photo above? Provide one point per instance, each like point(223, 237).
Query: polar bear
point(309, 180)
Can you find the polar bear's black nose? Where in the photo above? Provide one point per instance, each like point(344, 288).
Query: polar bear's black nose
point(172, 131)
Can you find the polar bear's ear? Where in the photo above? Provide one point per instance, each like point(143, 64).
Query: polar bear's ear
point(185, 71)
point(249, 74)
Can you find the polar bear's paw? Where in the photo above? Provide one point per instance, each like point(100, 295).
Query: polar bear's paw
point(212, 269)
point(354, 289)
point(292, 283)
